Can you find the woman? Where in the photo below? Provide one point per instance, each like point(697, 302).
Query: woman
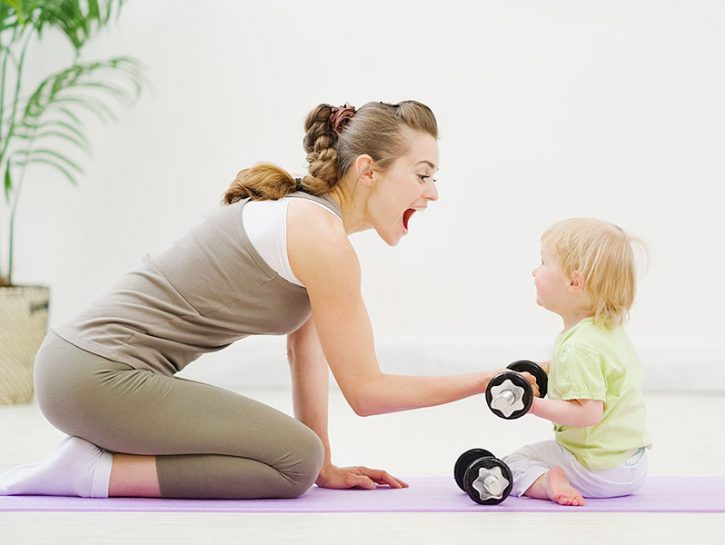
point(275, 260)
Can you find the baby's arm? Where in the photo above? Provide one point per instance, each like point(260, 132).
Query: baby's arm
point(579, 413)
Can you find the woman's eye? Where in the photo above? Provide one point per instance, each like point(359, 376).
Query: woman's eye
point(425, 179)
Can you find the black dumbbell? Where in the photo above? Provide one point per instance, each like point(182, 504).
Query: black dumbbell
point(486, 479)
point(509, 395)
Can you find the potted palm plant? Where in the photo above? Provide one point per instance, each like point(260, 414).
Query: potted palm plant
point(42, 130)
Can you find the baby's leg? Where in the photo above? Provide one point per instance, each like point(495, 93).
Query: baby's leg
point(609, 483)
point(554, 485)
point(537, 472)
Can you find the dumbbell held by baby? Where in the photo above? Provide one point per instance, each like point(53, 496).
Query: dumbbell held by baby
point(486, 479)
point(509, 395)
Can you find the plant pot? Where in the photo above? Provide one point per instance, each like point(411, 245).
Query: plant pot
point(23, 325)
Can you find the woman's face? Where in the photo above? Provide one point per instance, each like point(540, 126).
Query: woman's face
point(404, 188)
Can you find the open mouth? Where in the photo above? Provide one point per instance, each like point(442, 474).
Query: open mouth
point(406, 217)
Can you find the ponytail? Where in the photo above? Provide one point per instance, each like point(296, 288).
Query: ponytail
point(263, 181)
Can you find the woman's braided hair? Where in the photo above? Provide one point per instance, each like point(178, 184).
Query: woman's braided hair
point(334, 138)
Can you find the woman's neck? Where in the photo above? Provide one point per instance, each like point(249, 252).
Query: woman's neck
point(351, 198)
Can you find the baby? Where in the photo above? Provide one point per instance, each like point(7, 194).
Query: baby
point(587, 276)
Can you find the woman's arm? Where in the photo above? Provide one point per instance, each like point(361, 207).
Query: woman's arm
point(309, 371)
point(579, 413)
point(322, 257)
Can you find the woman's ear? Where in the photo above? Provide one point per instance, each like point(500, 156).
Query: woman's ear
point(576, 283)
point(364, 169)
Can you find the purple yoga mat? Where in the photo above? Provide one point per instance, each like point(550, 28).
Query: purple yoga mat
point(426, 494)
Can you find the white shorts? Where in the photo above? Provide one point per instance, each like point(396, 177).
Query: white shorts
point(532, 461)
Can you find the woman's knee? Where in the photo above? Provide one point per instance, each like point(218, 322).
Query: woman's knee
point(309, 457)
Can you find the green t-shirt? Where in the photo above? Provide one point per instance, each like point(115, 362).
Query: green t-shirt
point(592, 362)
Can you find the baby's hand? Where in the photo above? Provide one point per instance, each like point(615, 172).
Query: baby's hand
point(532, 381)
point(545, 366)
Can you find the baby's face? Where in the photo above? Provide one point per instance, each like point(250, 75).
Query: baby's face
point(552, 288)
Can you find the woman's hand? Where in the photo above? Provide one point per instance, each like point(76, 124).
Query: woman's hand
point(356, 477)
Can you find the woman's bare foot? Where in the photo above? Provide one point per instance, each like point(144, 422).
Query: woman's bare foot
point(559, 490)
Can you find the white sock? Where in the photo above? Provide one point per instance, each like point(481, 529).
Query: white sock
point(77, 468)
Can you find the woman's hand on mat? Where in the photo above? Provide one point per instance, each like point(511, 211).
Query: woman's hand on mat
point(356, 477)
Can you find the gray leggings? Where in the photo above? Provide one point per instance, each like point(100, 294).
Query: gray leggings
point(208, 442)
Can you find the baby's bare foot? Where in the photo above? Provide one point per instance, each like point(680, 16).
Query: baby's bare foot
point(559, 489)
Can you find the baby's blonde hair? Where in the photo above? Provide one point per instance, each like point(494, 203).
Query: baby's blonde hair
point(603, 253)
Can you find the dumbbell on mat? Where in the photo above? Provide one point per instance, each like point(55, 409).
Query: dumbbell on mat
point(509, 395)
point(486, 479)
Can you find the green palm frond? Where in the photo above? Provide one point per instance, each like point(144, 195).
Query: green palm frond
point(78, 20)
point(46, 127)
point(7, 182)
point(52, 116)
point(58, 88)
point(56, 128)
point(58, 162)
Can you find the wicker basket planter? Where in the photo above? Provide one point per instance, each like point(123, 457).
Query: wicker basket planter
point(23, 324)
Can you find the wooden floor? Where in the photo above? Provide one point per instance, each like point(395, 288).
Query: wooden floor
point(687, 432)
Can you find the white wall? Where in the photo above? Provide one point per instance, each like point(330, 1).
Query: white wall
point(546, 110)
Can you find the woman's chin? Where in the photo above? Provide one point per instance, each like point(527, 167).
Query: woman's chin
point(392, 240)
point(392, 236)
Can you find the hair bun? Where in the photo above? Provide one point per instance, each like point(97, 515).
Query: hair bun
point(340, 116)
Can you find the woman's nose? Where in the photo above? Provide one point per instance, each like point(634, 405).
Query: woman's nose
point(431, 192)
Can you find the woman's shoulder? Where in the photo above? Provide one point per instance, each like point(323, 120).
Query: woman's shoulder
point(317, 244)
point(314, 219)
point(325, 204)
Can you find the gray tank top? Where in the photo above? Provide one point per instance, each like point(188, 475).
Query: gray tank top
point(209, 289)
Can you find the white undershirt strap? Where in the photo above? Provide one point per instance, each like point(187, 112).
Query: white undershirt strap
point(266, 225)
